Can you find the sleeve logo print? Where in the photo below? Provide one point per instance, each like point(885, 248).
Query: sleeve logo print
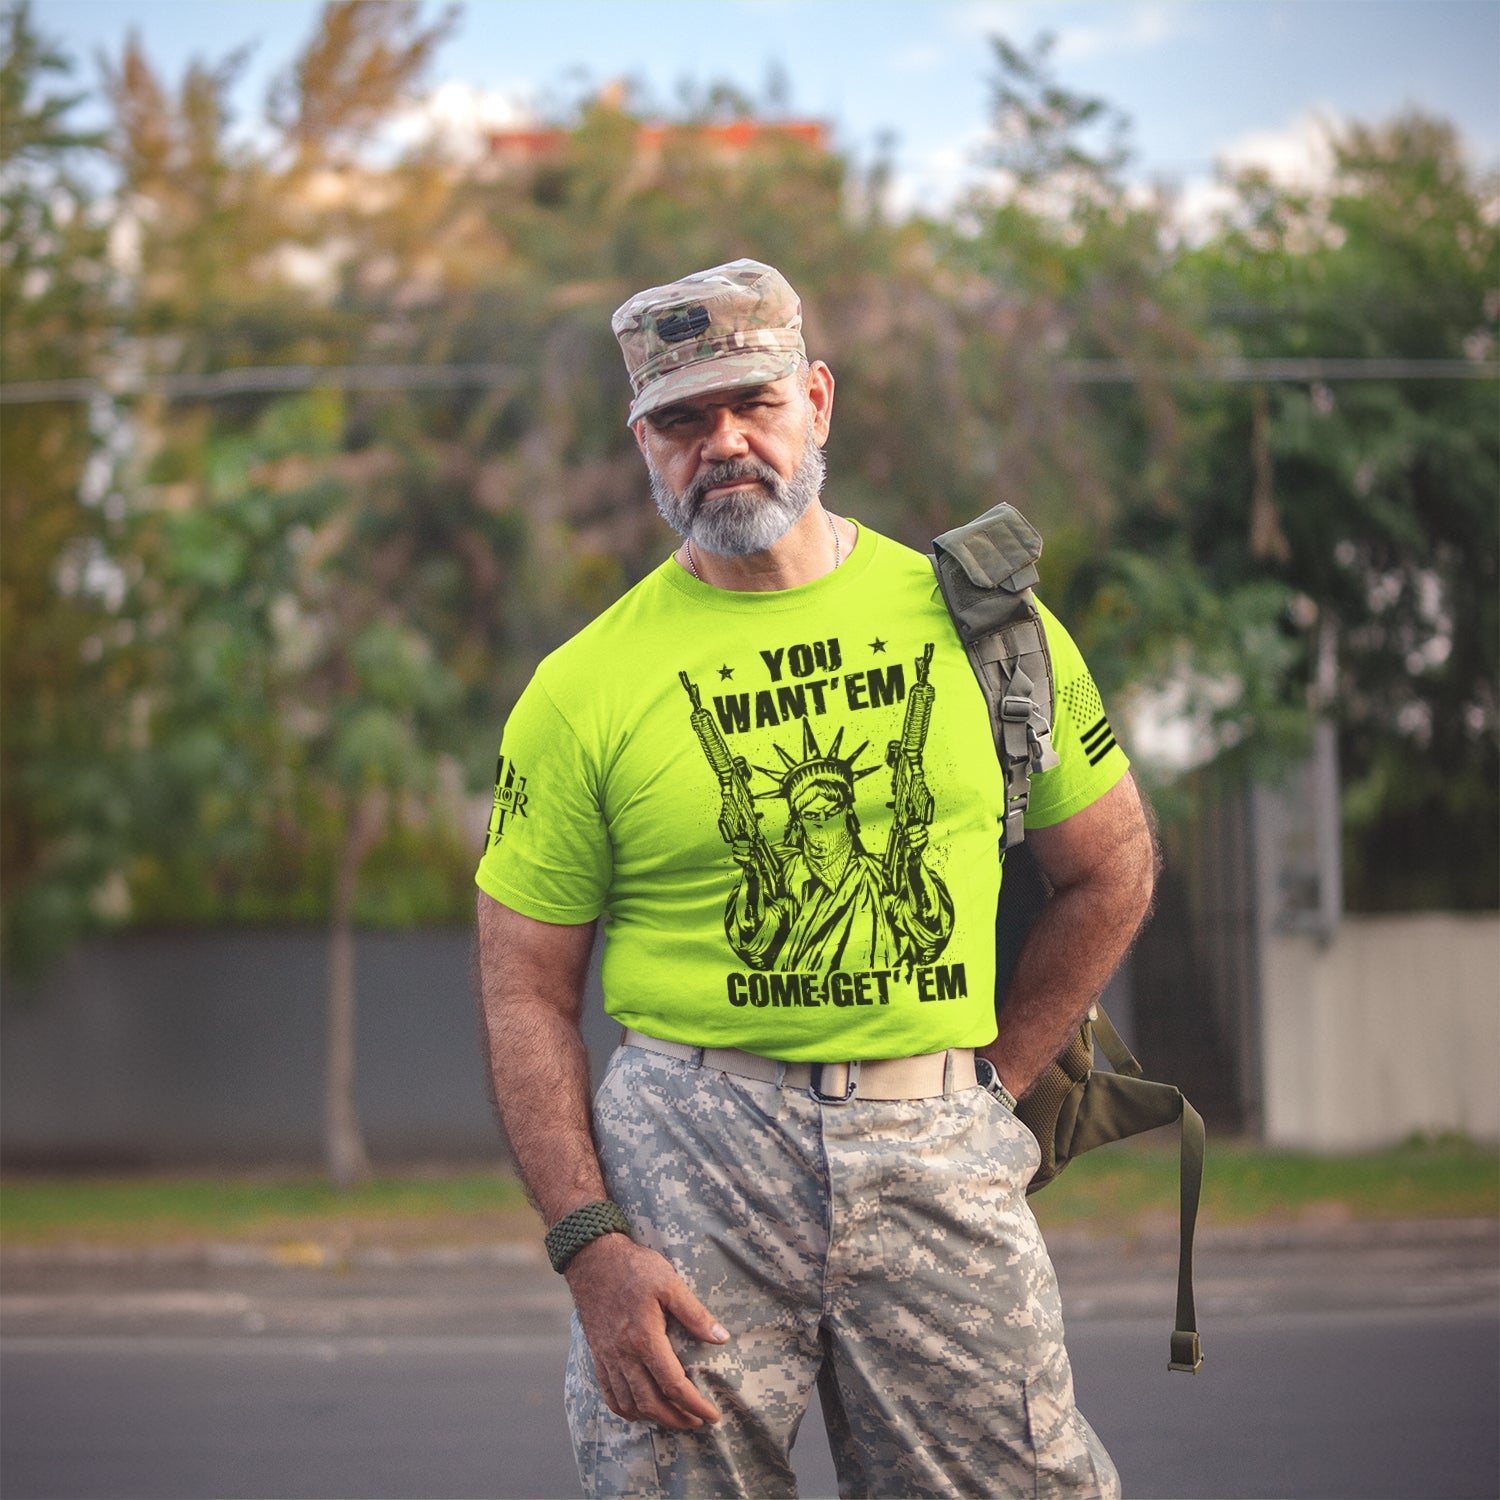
point(1087, 710)
point(510, 800)
point(840, 922)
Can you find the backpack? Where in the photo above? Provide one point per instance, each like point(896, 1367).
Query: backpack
point(986, 570)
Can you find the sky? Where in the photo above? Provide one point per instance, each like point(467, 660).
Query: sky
point(1201, 81)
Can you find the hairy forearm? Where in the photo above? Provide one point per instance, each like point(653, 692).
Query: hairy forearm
point(1073, 948)
point(541, 1078)
point(538, 1063)
point(1102, 868)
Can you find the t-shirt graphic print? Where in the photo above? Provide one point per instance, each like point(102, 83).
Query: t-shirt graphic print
point(817, 901)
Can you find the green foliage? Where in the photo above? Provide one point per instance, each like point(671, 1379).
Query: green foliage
point(359, 66)
point(289, 613)
point(64, 657)
point(1377, 505)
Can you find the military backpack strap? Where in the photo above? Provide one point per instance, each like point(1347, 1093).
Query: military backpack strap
point(986, 570)
point(1074, 1107)
point(1146, 1105)
point(1123, 1103)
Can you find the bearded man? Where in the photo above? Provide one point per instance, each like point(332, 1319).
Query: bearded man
point(789, 1182)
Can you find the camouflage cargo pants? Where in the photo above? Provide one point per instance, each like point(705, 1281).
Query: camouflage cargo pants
point(882, 1251)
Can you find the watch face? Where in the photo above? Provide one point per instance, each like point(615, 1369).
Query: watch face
point(989, 1080)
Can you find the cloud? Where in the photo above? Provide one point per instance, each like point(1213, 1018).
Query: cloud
point(1097, 31)
point(1298, 154)
point(1129, 28)
point(925, 57)
point(935, 178)
point(457, 117)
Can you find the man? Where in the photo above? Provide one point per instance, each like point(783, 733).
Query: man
point(790, 1176)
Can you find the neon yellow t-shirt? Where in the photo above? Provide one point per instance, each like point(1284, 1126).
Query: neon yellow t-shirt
point(718, 774)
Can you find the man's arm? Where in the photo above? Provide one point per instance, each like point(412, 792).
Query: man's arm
point(531, 977)
point(1101, 865)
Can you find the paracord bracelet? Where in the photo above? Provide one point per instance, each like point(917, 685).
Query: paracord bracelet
point(582, 1227)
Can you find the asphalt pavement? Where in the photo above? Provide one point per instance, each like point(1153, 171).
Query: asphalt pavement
point(1341, 1360)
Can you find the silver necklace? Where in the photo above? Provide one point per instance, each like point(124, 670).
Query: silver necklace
point(833, 531)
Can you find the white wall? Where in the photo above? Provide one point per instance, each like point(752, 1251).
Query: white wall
point(1390, 1028)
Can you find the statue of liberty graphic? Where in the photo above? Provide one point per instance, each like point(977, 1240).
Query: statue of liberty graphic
point(819, 900)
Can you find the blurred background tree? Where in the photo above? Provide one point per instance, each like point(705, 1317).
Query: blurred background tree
point(63, 831)
point(1374, 501)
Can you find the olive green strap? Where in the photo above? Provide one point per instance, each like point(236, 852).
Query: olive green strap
point(582, 1227)
point(1113, 1106)
point(1112, 1044)
point(1187, 1352)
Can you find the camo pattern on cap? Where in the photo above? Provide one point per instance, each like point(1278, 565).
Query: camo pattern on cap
point(733, 325)
point(880, 1251)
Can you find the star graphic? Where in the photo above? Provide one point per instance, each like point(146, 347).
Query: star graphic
point(726, 672)
point(877, 645)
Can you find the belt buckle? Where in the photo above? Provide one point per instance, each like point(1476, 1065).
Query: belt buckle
point(815, 1084)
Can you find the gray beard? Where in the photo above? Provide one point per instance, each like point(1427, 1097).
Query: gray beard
point(743, 522)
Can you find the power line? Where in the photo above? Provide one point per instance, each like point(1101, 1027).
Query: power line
point(254, 380)
point(1237, 371)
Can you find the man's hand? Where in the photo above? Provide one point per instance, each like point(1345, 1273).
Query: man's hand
point(624, 1293)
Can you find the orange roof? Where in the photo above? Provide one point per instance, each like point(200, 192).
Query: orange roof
point(736, 135)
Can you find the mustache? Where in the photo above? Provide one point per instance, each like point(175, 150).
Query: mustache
point(727, 473)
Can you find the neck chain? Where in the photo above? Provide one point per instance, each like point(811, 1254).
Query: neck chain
point(833, 531)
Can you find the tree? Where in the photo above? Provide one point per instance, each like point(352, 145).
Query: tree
point(282, 731)
point(63, 663)
point(307, 706)
point(1059, 266)
point(1373, 501)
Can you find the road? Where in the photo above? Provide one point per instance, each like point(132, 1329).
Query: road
point(1343, 1363)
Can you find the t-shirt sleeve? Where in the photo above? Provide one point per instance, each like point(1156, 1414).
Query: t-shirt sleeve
point(547, 851)
point(1090, 759)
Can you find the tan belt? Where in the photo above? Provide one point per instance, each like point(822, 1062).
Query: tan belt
point(924, 1077)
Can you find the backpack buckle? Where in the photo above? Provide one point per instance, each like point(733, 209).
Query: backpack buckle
point(1187, 1352)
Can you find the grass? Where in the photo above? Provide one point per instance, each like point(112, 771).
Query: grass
point(427, 1208)
point(1128, 1186)
point(1117, 1190)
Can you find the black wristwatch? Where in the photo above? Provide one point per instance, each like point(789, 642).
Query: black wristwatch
point(989, 1079)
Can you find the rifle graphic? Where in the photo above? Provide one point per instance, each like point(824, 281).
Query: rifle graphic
point(911, 802)
point(738, 820)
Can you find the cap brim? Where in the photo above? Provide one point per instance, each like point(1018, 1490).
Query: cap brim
point(704, 376)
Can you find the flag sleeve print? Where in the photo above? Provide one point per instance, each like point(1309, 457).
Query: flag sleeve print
point(1090, 759)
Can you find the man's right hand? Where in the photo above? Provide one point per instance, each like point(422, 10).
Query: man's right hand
point(624, 1293)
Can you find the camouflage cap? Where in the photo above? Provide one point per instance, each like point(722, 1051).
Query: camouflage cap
point(736, 324)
